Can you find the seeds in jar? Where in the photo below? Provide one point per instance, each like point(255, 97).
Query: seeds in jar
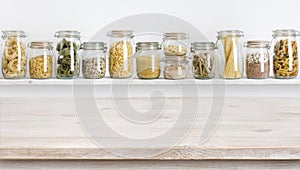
point(285, 59)
point(203, 66)
point(40, 67)
point(120, 59)
point(257, 65)
point(148, 67)
point(68, 60)
point(93, 67)
point(14, 59)
point(175, 50)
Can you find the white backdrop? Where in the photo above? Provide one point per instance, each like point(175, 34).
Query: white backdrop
point(41, 18)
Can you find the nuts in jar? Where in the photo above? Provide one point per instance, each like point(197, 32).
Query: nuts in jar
point(175, 44)
point(173, 50)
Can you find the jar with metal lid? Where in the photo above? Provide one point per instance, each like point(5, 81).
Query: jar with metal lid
point(257, 59)
point(93, 60)
point(203, 55)
point(67, 61)
point(285, 54)
point(175, 44)
point(147, 60)
point(230, 48)
point(121, 53)
point(40, 59)
point(14, 59)
point(175, 68)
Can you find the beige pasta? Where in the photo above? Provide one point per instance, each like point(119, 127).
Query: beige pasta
point(40, 67)
point(120, 59)
point(14, 59)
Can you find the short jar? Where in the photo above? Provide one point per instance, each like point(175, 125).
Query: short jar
point(203, 55)
point(67, 58)
point(93, 60)
point(175, 44)
point(257, 59)
point(40, 59)
point(175, 68)
point(148, 60)
point(14, 58)
point(121, 53)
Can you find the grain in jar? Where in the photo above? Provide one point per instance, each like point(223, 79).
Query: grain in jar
point(148, 60)
point(175, 68)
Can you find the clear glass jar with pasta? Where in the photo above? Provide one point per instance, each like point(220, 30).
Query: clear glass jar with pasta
point(121, 53)
point(67, 58)
point(285, 54)
point(230, 49)
point(14, 58)
point(41, 60)
point(176, 44)
point(148, 56)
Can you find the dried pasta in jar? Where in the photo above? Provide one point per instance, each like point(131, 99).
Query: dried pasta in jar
point(40, 67)
point(120, 59)
point(14, 59)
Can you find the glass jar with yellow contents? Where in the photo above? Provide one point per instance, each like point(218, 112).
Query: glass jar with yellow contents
point(40, 60)
point(148, 60)
point(14, 54)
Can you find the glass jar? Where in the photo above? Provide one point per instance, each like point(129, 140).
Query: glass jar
point(67, 61)
point(14, 58)
point(93, 60)
point(230, 49)
point(120, 53)
point(257, 59)
point(147, 60)
point(285, 54)
point(40, 60)
point(175, 44)
point(175, 68)
point(203, 57)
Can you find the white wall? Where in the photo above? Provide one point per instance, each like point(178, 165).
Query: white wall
point(41, 18)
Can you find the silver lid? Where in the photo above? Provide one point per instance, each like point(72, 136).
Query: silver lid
point(147, 46)
point(93, 46)
point(176, 36)
point(285, 32)
point(13, 33)
point(67, 34)
point(203, 46)
point(40, 45)
point(257, 44)
point(230, 33)
point(121, 33)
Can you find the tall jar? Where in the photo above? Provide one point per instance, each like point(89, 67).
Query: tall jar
point(147, 60)
point(285, 54)
point(230, 49)
point(175, 44)
point(204, 59)
point(121, 53)
point(257, 59)
point(67, 60)
point(14, 59)
point(41, 60)
point(175, 68)
point(93, 60)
